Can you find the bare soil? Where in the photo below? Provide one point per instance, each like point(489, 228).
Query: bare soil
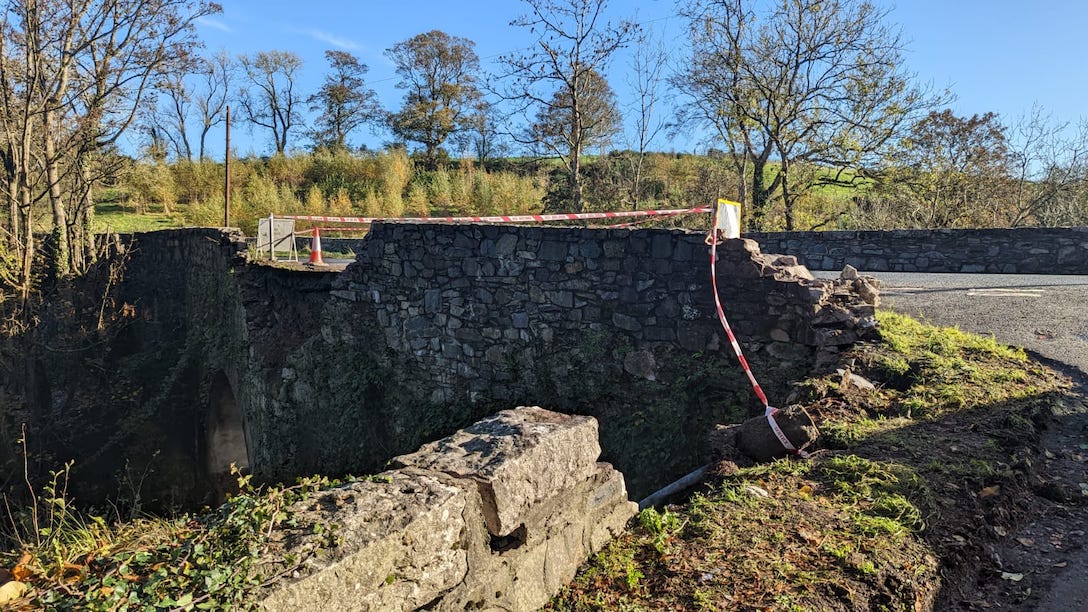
point(1043, 564)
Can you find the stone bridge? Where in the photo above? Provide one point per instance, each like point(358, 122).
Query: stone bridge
point(213, 359)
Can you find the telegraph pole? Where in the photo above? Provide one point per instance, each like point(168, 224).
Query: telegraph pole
point(226, 182)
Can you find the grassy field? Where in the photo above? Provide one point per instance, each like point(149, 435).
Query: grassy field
point(114, 218)
point(112, 214)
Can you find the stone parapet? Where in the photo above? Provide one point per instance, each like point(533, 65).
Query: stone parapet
point(517, 458)
point(1026, 250)
point(498, 515)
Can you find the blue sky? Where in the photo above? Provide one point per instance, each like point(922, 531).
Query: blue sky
point(995, 55)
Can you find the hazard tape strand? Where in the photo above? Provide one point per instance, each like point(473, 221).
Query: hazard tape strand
point(503, 218)
point(768, 411)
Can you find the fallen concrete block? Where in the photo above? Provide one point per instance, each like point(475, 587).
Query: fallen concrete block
point(498, 516)
point(560, 534)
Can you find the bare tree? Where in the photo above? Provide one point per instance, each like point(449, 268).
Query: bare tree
point(646, 79)
point(575, 122)
point(815, 83)
point(149, 123)
point(174, 104)
point(74, 75)
point(556, 77)
point(1049, 167)
point(481, 133)
point(439, 75)
point(272, 103)
point(212, 97)
point(344, 102)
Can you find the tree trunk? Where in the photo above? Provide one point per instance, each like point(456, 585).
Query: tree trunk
point(787, 198)
point(203, 140)
point(13, 208)
point(59, 255)
point(575, 178)
point(742, 181)
point(759, 194)
point(86, 221)
point(27, 273)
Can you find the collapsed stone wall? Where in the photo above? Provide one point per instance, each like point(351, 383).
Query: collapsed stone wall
point(1029, 250)
point(498, 515)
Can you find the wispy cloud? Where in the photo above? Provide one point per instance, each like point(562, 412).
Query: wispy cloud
point(214, 23)
point(332, 39)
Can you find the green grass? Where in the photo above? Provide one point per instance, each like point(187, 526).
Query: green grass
point(115, 217)
point(865, 526)
point(948, 369)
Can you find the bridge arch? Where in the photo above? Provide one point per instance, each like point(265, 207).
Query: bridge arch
point(224, 435)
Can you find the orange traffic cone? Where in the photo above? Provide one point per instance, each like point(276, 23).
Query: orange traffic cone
point(315, 250)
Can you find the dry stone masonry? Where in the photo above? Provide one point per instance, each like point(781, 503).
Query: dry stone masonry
point(497, 516)
point(460, 321)
point(432, 328)
point(1029, 250)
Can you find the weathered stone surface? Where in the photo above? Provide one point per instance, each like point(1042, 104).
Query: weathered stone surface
point(754, 440)
point(561, 534)
point(641, 364)
point(517, 458)
point(401, 545)
point(419, 540)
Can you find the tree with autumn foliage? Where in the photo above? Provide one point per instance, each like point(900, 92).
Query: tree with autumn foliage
point(344, 103)
point(439, 75)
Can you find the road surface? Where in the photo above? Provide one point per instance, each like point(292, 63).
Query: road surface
point(1047, 315)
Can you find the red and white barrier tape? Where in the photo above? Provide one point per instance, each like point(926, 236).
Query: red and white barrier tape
point(768, 410)
point(664, 213)
point(339, 229)
point(504, 218)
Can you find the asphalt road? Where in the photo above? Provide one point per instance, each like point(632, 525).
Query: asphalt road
point(1047, 315)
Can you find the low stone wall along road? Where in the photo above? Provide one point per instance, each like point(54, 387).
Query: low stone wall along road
point(1044, 314)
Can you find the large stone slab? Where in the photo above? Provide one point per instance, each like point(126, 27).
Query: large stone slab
point(401, 545)
point(517, 458)
point(561, 533)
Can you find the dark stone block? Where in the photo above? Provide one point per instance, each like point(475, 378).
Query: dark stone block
point(661, 246)
point(659, 334)
point(432, 300)
point(506, 245)
point(626, 322)
point(553, 250)
point(691, 336)
point(590, 249)
point(520, 320)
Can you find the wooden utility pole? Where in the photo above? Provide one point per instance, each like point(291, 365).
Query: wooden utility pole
point(226, 181)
